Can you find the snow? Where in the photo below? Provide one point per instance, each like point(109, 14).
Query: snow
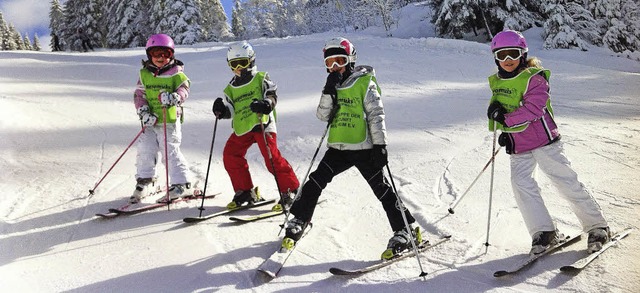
point(69, 116)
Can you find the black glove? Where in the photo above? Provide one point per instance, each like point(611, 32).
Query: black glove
point(260, 106)
point(218, 107)
point(379, 156)
point(333, 80)
point(496, 112)
point(505, 140)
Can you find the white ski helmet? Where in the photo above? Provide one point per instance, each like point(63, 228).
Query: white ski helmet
point(241, 50)
point(340, 46)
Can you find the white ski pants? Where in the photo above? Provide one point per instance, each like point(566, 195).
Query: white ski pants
point(552, 161)
point(151, 142)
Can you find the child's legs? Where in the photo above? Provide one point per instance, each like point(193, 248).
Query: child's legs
point(332, 164)
point(527, 194)
point(284, 173)
point(555, 164)
point(382, 190)
point(177, 163)
point(233, 157)
point(147, 155)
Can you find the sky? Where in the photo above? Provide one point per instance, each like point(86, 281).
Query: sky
point(71, 117)
point(32, 16)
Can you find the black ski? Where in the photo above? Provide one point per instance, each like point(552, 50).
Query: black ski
point(228, 211)
point(583, 262)
point(426, 244)
point(272, 266)
point(533, 257)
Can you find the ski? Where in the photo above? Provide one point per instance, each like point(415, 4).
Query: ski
point(228, 211)
point(247, 219)
point(583, 262)
point(272, 266)
point(109, 215)
point(136, 210)
point(533, 257)
point(426, 244)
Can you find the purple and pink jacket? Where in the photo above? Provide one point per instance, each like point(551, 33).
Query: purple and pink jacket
point(529, 122)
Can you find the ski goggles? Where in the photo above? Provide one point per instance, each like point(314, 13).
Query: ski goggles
point(338, 60)
point(160, 53)
point(239, 63)
point(507, 53)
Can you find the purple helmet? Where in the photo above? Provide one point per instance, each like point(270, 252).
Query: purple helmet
point(160, 40)
point(508, 39)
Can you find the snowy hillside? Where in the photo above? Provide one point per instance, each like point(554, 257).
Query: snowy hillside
point(69, 116)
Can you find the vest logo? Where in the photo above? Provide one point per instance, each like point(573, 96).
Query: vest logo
point(503, 91)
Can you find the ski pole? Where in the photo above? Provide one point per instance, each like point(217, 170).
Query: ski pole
point(206, 179)
point(423, 274)
point(91, 191)
point(457, 201)
point(304, 180)
point(273, 167)
point(315, 154)
point(166, 157)
point(493, 164)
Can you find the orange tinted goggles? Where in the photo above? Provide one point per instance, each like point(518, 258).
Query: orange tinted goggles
point(239, 63)
point(338, 60)
point(160, 52)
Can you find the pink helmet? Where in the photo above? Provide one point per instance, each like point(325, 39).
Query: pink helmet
point(160, 40)
point(508, 39)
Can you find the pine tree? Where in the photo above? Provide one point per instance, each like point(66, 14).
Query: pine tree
point(558, 29)
point(183, 22)
point(453, 18)
point(213, 21)
point(237, 26)
point(126, 22)
point(26, 43)
point(56, 22)
point(18, 44)
point(36, 43)
point(3, 29)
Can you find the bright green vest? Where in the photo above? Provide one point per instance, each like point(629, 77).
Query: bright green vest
point(509, 93)
point(243, 118)
point(154, 84)
point(349, 126)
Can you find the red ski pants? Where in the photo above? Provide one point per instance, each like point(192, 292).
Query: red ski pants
point(237, 167)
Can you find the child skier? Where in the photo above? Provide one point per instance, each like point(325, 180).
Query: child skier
point(162, 84)
point(521, 106)
point(351, 95)
point(250, 101)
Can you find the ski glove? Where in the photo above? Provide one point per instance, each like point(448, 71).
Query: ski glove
point(169, 99)
point(260, 106)
point(333, 80)
point(496, 112)
point(219, 108)
point(146, 117)
point(379, 156)
point(505, 140)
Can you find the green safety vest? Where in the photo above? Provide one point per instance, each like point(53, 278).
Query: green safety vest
point(153, 85)
point(349, 126)
point(509, 93)
point(243, 118)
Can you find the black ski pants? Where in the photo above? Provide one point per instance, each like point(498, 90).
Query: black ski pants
point(335, 162)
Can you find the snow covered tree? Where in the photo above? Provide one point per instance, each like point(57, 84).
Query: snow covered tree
point(178, 19)
point(26, 43)
point(3, 29)
point(213, 21)
point(384, 9)
point(583, 22)
point(558, 29)
point(36, 43)
point(126, 23)
point(617, 33)
point(17, 38)
point(453, 18)
point(237, 25)
point(83, 15)
point(56, 21)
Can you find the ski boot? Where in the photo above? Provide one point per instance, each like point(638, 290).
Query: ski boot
point(175, 191)
point(142, 190)
point(401, 242)
point(285, 202)
point(597, 238)
point(542, 240)
point(293, 232)
point(244, 196)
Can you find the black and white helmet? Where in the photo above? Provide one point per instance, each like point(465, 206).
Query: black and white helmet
point(340, 46)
